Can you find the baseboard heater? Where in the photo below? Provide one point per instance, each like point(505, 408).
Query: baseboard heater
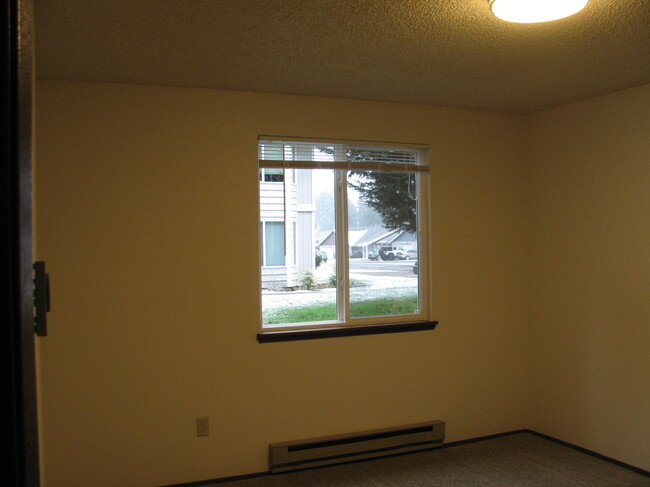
point(315, 452)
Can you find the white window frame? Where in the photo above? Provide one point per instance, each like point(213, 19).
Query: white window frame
point(421, 169)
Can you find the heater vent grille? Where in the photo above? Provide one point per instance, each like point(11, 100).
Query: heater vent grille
point(328, 450)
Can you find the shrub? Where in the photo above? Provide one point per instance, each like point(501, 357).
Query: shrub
point(332, 281)
point(308, 281)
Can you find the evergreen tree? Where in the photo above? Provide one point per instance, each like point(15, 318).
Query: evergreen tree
point(367, 217)
point(390, 194)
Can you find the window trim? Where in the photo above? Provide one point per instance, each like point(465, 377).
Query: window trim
point(362, 325)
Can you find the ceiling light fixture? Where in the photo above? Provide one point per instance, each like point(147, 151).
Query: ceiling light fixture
point(529, 11)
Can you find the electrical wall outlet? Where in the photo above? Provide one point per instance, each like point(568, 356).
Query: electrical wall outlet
point(202, 427)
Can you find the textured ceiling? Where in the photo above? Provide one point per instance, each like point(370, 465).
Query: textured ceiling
point(438, 52)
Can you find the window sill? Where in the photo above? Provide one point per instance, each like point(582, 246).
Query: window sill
point(343, 331)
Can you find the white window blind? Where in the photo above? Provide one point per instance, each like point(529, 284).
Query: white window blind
point(327, 154)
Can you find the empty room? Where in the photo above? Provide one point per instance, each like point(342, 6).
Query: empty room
point(270, 222)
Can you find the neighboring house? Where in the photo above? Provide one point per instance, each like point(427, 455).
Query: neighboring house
point(370, 241)
point(405, 240)
point(287, 232)
point(364, 241)
point(326, 242)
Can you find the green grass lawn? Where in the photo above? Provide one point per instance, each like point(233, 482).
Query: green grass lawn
point(358, 309)
point(384, 307)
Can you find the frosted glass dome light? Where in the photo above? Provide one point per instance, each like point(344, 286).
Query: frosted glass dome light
point(529, 11)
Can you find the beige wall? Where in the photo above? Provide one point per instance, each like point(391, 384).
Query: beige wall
point(590, 269)
point(147, 217)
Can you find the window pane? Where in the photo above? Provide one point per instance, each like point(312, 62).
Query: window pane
point(382, 229)
point(305, 291)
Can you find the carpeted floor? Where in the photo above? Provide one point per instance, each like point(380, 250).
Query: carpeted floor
point(519, 460)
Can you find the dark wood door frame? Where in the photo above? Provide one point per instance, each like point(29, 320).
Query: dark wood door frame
point(19, 416)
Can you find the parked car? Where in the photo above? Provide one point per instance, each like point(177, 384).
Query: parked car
point(374, 255)
point(415, 267)
point(412, 254)
point(392, 253)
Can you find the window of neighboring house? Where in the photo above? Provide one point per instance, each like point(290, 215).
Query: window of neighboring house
point(361, 194)
point(271, 175)
point(273, 244)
